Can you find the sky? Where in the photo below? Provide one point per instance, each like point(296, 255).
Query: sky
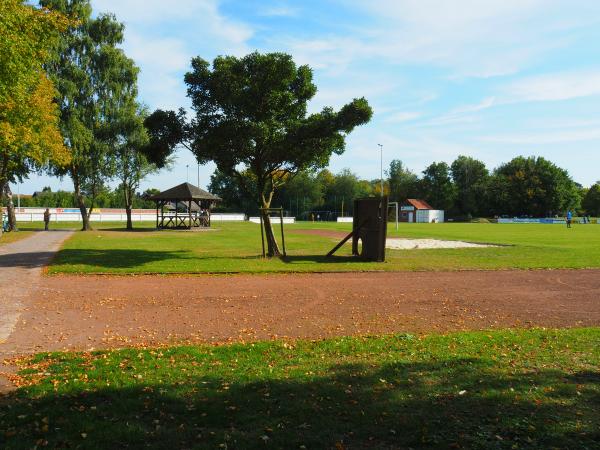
point(492, 79)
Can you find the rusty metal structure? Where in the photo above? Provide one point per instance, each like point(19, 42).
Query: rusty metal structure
point(369, 229)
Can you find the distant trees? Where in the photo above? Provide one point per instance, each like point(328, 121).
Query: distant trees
point(532, 186)
point(402, 182)
point(436, 186)
point(591, 201)
point(521, 187)
point(471, 180)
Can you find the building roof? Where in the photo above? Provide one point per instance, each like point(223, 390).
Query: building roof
point(184, 192)
point(418, 204)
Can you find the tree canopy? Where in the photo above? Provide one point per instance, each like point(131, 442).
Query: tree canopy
point(533, 186)
point(29, 134)
point(95, 79)
point(251, 113)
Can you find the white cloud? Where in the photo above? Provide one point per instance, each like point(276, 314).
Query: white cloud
point(555, 86)
point(163, 36)
point(471, 37)
point(280, 11)
point(546, 137)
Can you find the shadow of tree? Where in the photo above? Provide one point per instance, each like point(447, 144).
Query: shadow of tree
point(28, 260)
point(455, 403)
point(116, 258)
point(322, 259)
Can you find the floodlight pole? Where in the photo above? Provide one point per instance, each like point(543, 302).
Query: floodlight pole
point(381, 168)
point(187, 168)
point(198, 176)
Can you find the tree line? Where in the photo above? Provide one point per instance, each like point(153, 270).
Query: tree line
point(249, 114)
point(106, 198)
point(465, 189)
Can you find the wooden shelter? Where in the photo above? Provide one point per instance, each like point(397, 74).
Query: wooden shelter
point(196, 202)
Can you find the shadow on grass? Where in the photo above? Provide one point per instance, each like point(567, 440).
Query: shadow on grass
point(129, 258)
point(322, 259)
point(134, 230)
point(454, 403)
point(116, 258)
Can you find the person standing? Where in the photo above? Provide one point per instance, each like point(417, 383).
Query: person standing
point(569, 218)
point(46, 219)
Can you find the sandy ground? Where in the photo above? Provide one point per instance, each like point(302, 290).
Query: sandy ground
point(400, 243)
point(412, 244)
point(73, 312)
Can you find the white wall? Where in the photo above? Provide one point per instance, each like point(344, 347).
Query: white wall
point(273, 219)
point(430, 216)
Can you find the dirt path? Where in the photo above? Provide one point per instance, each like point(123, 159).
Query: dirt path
point(99, 311)
point(21, 265)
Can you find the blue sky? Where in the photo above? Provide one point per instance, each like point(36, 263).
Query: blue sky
point(492, 79)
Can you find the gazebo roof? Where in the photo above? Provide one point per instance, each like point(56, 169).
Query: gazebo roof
point(184, 192)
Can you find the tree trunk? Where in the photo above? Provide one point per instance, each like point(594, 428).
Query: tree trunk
point(85, 218)
point(10, 209)
point(129, 222)
point(272, 246)
point(1, 210)
point(128, 206)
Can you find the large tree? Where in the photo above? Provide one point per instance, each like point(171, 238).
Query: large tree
point(533, 186)
point(130, 145)
point(251, 114)
point(470, 178)
point(437, 186)
point(29, 134)
point(93, 77)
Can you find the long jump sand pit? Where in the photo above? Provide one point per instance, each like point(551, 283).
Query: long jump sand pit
point(402, 243)
point(423, 244)
point(84, 312)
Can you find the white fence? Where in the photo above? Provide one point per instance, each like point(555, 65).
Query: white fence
point(106, 215)
point(227, 217)
point(274, 219)
point(345, 219)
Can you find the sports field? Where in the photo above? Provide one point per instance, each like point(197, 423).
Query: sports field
point(236, 247)
point(350, 360)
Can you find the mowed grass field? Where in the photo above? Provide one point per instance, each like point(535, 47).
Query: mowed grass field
point(500, 390)
point(236, 247)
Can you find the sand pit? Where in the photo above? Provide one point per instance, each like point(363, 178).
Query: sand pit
point(412, 244)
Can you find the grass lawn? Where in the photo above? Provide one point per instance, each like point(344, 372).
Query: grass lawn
point(500, 389)
point(235, 247)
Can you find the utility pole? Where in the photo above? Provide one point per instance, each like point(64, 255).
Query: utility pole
point(198, 176)
point(381, 168)
point(187, 168)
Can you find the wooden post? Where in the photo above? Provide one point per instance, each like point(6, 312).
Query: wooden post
point(262, 236)
point(157, 213)
point(282, 237)
point(190, 214)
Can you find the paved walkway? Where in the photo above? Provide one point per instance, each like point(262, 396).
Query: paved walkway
point(21, 265)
